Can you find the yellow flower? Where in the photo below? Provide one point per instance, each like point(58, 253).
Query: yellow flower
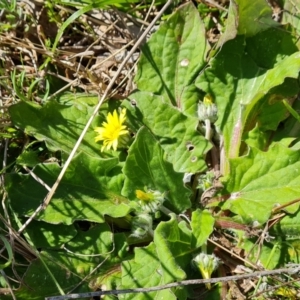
point(208, 100)
point(111, 130)
point(144, 196)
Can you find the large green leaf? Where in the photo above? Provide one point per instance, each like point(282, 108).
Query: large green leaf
point(173, 242)
point(176, 133)
point(262, 180)
point(254, 16)
point(146, 167)
point(164, 261)
point(45, 235)
point(86, 263)
point(145, 271)
point(59, 124)
point(239, 82)
point(98, 240)
point(173, 57)
point(89, 190)
point(38, 284)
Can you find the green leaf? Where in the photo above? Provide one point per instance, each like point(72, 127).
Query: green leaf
point(59, 125)
point(110, 274)
point(173, 56)
point(146, 167)
point(231, 25)
point(276, 43)
point(262, 180)
point(256, 138)
point(271, 114)
point(202, 224)
point(45, 235)
point(291, 127)
point(146, 271)
point(254, 16)
point(292, 251)
point(88, 267)
point(173, 242)
point(176, 133)
point(290, 14)
point(288, 228)
point(164, 261)
point(238, 84)
point(28, 158)
point(89, 190)
point(98, 240)
point(38, 284)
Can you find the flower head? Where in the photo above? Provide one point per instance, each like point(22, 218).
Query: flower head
point(150, 201)
point(112, 130)
point(207, 110)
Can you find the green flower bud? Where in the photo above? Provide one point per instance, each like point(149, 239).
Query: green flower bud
point(205, 181)
point(207, 110)
point(206, 264)
point(141, 226)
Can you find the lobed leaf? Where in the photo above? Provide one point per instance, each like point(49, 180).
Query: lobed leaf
point(262, 180)
point(164, 261)
point(173, 57)
point(239, 82)
point(176, 133)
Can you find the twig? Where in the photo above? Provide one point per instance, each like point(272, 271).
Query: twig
point(8, 284)
point(291, 270)
point(67, 163)
point(247, 262)
point(280, 207)
point(38, 179)
point(274, 288)
point(213, 3)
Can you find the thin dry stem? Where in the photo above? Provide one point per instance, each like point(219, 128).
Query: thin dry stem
point(291, 270)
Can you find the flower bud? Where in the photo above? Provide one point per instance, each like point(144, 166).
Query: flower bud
point(206, 264)
point(141, 226)
point(207, 110)
point(150, 201)
point(205, 181)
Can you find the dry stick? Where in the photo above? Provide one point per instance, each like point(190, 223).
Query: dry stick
point(233, 254)
point(60, 176)
point(38, 179)
point(291, 270)
point(275, 287)
point(278, 208)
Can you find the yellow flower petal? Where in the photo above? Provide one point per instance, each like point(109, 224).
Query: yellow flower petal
point(111, 130)
point(143, 196)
